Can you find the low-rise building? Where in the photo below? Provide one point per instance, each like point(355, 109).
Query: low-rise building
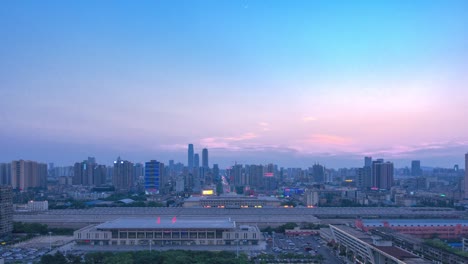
point(167, 231)
point(360, 247)
point(232, 201)
point(422, 228)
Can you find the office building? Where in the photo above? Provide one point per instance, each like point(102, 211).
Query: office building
point(196, 161)
point(28, 174)
point(416, 168)
point(190, 157)
point(205, 158)
point(382, 174)
point(6, 210)
point(466, 176)
point(123, 177)
point(153, 173)
point(215, 171)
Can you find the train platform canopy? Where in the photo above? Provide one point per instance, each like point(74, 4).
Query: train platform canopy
point(167, 223)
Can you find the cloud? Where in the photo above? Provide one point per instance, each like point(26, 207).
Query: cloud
point(324, 139)
point(309, 119)
point(246, 136)
point(442, 148)
point(265, 126)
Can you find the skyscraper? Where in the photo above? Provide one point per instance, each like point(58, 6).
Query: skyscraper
point(382, 174)
point(152, 176)
point(466, 176)
point(88, 173)
point(123, 177)
point(205, 158)
point(196, 161)
point(28, 174)
point(367, 161)
point(6, 210)
point(416, 168)
point(190, 157)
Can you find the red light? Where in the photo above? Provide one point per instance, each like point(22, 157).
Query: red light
point(159, 220)
point(174, 219)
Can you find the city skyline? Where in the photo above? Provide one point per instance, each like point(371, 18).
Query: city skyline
point(284, 83)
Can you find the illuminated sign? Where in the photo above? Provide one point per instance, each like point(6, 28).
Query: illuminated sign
point(268, 174)
point(348, 180)
point(207, 192)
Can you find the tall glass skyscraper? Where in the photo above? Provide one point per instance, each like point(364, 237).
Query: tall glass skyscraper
point(205, 158)
point(152, 177)
point(190, 157)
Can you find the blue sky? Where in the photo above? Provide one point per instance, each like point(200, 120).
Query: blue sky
point(291, 82)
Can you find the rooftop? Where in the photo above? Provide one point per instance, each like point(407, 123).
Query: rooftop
point(166, 223)
point(232, 197)
point(422, 222)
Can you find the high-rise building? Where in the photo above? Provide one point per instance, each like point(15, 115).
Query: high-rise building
point(416, 168)
point(466, 176)
point(382, 174)
point(196, 161)
point(139, 170)
point(5, 173)
point(153, 176)
point(367, 161)
point(205, 158)
point(92, 160)
point(6, 210)
point(215, 171)
point(99, 175)
point(318, 173)
point(28, 174)
point(123, 177)
point(190, 157)
point(51, 171)
point(88, 173)
point(364, 177)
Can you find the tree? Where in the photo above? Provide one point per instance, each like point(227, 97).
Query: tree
point(57, 258)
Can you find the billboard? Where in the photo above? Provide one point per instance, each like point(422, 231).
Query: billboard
point(207, 192)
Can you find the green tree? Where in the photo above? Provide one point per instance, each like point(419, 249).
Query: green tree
point(57, 258)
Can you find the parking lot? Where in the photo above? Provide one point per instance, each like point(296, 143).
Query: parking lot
point(27, 255)
point(302, 245)
point(32, 250)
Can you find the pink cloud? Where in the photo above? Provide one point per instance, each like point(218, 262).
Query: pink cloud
point(309, 119)
point(324, 139)
point(246, 136)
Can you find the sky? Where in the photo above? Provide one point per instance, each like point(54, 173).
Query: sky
point(255, 82)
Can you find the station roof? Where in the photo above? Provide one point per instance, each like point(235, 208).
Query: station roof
point(167, 223)
point(417, 222)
